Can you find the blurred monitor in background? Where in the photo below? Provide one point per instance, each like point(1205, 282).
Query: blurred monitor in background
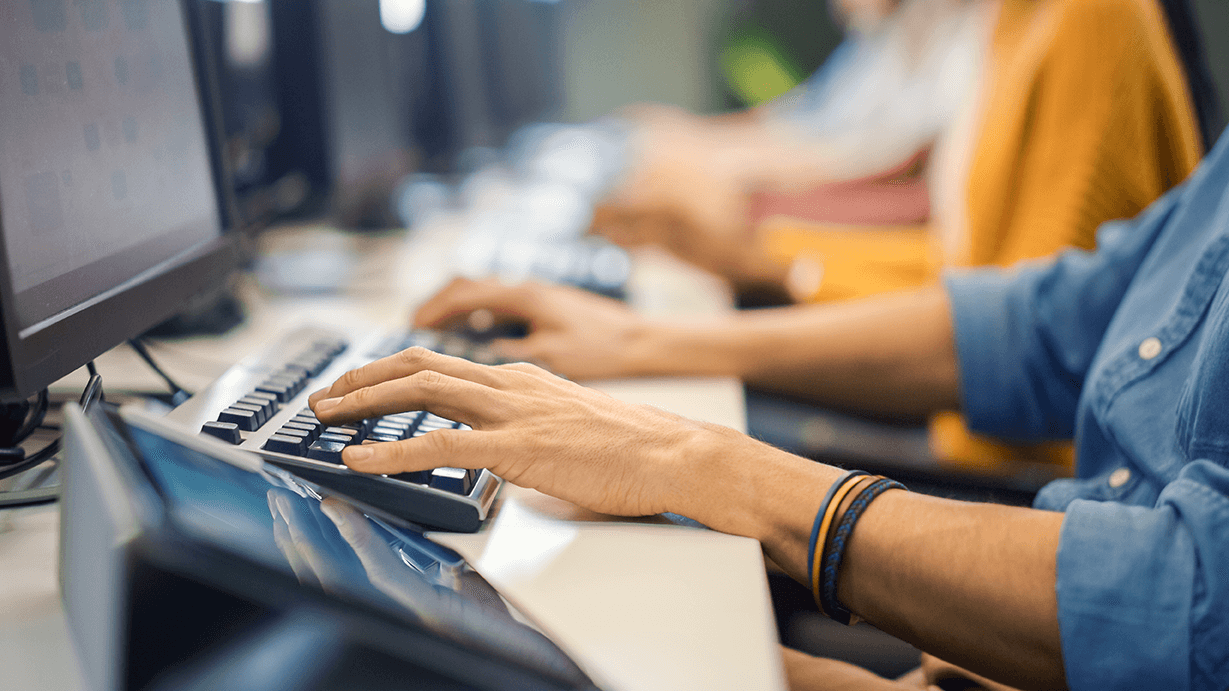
point(329, 104)
point(317, 99)
point(237, 44)
point(494, 67)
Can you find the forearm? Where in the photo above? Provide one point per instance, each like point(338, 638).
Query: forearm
point(971, 583)
point(891, 354)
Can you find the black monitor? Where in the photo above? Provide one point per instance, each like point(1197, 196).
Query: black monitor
point(188, 564)
point(346, 75)
point(235, 42)
point(494, 67)
point(110, 214)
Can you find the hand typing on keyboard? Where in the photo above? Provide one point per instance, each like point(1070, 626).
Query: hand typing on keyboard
point(529, 427)
point(573, 333)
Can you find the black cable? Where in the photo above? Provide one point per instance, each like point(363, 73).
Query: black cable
point(89, 397)
point(178, 394)
point(35, 420)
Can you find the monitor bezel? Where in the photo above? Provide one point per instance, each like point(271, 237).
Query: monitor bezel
point(31, 363)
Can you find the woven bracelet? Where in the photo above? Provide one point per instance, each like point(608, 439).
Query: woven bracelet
point(834, 550)
point(815, 547)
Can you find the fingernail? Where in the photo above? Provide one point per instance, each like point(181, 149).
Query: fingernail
point(327, 404)
point(358, 454)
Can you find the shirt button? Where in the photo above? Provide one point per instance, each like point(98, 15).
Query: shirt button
point(1119, 477)
point(1150, 348)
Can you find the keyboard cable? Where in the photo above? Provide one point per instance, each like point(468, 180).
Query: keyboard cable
point(178, 394)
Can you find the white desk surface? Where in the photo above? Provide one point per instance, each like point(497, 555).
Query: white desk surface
point(643, 605)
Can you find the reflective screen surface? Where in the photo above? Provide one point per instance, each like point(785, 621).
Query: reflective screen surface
point(280, 521)
point(104, 164)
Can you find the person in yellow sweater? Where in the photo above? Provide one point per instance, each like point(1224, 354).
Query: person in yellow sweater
point(1084, 116)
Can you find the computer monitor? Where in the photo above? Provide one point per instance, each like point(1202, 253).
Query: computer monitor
point(189, 564)
point(347, 78)
point(494, 67)
point(110, 214)
point(236, 43)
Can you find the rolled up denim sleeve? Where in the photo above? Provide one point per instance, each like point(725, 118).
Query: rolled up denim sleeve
point(1143, 593)
point(1025, 337)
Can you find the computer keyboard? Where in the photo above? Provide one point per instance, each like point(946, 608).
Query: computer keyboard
point(260, 405)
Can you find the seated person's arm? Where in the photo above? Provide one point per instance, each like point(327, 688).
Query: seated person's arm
point(973, 584)
point(690, 184)
point(889, 354)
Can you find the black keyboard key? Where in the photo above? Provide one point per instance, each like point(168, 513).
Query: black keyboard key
point(354, 436)
point(281, 391)
point(327, 451)
point(267, 398)
point(293, 376)
point(245, 419)
point(261, 416)
point(266, 404)
point(308, 419)
point(292, 385)
point(455, 480)
point(226, 431)
point(295, 446)
point(396, 432)
point(310, 430)
point(303, 434)
point(332, 347)
point(418, 477)
point(383, 438)
point(342, 439)
point(399, 423)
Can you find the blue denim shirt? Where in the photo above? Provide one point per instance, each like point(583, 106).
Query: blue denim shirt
point(1127, 349)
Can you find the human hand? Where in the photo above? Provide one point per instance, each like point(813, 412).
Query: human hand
point(529, 427)
point(690, 193)
point(681, 193)
point(573, 333)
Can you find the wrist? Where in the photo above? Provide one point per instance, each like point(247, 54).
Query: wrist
point(737, 485)
point(691, 348)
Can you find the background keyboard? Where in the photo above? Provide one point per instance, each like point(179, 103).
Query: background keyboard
point(260, 405)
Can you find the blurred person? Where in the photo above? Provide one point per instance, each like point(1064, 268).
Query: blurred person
point(866, 118)
point(1114, 580)
point(1084, 116)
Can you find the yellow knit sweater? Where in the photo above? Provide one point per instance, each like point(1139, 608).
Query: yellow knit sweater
point(1086, 118)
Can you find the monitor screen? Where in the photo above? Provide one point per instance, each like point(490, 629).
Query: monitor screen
point(104, 167)
point(287, 524)
point(110, 210)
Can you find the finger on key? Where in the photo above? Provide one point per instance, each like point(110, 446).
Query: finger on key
point(458, 299)
point(439, 449)
point(403, 364)
point(450, 397)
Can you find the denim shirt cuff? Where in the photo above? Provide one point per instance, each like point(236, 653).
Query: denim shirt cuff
point(1125, 580)
point(982, 325)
